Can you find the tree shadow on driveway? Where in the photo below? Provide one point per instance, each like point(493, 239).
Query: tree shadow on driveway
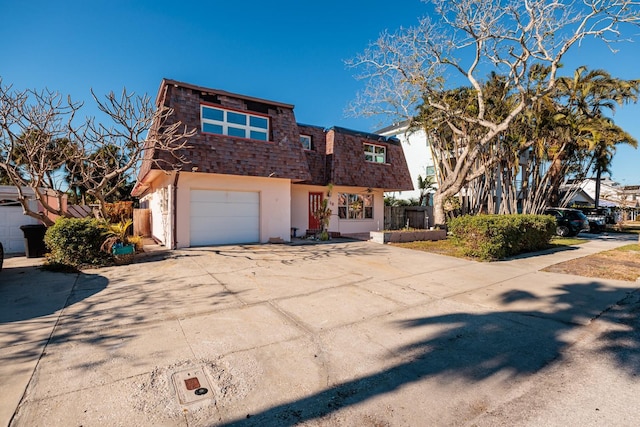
point(30, 292)
point(31, 300)
point(290, 254)
point(472, 347)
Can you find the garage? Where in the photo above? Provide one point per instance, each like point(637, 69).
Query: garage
point(224, 217)
point(12, 238)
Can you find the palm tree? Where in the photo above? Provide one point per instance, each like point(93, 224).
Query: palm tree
point(605, 136)
point(588, 94)
point(425, 185)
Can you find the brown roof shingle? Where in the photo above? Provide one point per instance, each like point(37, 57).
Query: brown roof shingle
point(337, 154)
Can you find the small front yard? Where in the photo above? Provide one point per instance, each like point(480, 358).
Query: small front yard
point(620, 264)
point(440, 247)
point(626, 227)
point(448, 248)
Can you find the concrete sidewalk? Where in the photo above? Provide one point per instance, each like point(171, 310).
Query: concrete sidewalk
point(329, 334)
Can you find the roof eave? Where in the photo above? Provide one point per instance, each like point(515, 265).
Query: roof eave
point(213, 91)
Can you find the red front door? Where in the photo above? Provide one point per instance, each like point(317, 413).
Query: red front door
point(315, 201)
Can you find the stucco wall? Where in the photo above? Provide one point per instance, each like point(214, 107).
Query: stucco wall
point(300, 210)
point(300, 206)
point(275, 202)
point(282, 205)
point(418, 156)
point(158, 202)
point(349, 226)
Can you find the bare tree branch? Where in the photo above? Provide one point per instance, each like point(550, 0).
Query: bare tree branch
point(469, 39)
point(45, 148)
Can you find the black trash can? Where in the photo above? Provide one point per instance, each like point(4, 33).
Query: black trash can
point(34, 246)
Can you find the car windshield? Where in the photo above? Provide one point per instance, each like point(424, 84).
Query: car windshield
point(578, 214)
point(593, 211)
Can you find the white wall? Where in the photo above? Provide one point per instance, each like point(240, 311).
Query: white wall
point(418, 155)
point(12, 238)
point(300, 205)
point(282, 205)
point(158, 202)
point(300, 209)
point(349, 226)
point(11, 218)
point(275, 202)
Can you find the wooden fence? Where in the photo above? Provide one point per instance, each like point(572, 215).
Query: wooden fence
point(142, 222)
point(398, 217)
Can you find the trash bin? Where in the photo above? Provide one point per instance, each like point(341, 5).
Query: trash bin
point(34, 240)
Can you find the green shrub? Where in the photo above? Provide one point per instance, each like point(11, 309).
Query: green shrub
point(491, 237)
point(75, 242)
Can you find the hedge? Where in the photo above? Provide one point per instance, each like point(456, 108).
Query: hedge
point(491, 237)
point(76, 242)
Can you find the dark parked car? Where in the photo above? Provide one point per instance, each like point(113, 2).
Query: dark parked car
point(569, 222)
point(597, 218)
point(1, 255)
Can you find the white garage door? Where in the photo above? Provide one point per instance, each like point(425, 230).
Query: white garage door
point(222, 217)
point(12, 238)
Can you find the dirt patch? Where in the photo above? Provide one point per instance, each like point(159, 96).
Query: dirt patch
point(156, 398)
point(618, 264)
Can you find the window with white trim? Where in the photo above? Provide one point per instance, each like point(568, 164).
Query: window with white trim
point(431, 171)
point(234, 123)
point(355, 206)
point(375, 153)
point(305, 140)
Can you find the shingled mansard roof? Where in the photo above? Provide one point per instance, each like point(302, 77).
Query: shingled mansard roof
point(336, 157)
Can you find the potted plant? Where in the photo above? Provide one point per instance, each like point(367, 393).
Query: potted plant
point(117, 241)
point(323, 215)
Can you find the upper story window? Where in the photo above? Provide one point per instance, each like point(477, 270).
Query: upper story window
point(234, 123)
point(375, 153)
point(305, 140)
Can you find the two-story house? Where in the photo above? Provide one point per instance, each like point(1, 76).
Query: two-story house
point(254, 174)
point(415, 145)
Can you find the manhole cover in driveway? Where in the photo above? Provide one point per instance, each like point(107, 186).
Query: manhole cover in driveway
point(192, 385)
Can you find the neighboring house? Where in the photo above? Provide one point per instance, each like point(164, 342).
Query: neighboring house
point(581, 197)
point(625, 198)
point(609, 192)
point(416, 149)
point(12, 216)
point(253, 174)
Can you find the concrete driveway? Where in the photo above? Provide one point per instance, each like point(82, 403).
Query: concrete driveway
point(346, 333)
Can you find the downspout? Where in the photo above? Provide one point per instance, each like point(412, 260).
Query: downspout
point(174, 239)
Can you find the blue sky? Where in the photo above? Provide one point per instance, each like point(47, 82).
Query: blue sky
point(288, 51)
